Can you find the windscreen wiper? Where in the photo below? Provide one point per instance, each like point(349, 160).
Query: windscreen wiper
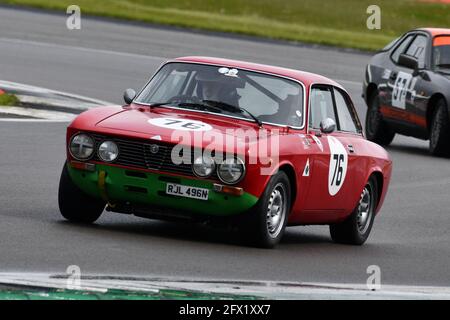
point(193, 105)
point(235, 109)
point(159, 104)
point(200, 106)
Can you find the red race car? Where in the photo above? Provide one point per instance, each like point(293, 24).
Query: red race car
point(211, 139)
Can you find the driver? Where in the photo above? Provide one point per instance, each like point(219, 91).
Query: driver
point(217, 87)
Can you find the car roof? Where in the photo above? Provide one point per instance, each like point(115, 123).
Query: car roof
point(435, 31)
point(306, 78)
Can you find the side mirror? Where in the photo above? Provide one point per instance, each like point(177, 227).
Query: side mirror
point(129, 96)
point(327, 125)
point(408, 61)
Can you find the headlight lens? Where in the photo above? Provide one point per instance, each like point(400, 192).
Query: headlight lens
point(203, 166)
point(81, 146)
point(108, 151)
point(231, 171)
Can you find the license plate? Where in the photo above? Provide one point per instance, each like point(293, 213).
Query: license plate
point(187, 192)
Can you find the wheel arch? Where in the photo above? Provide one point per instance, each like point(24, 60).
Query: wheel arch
point(288, 169)
point(371, 88)
point(378, 175)
point(431, 107)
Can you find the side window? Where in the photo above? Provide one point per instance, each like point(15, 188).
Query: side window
point(401, 48)
point(346, 113)
point(321, 106)
point(417, 49)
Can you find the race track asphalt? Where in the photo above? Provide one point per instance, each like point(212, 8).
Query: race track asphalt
point(410, 239)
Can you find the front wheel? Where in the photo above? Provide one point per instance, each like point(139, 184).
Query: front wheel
point(264, 226)
point(75, 205)
point(356, 228)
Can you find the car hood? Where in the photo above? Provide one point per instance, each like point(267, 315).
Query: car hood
point(195, 128)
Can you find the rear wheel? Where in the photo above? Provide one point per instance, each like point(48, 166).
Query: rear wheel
point(74, 204)
point(377, 130)
point(440, 130)
point(356, 228)
point(264, 226)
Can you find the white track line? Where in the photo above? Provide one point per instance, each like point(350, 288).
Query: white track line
point(32, 120)
point(120, 53)
point(270, 289)
point(85, 49)
point(29, 88)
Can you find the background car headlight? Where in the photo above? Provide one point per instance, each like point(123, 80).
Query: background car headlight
point(108, 151)
point(81, 146)
point(203, 166)
point(231, 171)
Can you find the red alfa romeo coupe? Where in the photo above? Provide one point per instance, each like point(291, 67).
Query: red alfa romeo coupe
point(211, 139)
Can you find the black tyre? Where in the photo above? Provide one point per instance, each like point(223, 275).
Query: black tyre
point(264, 226)
point(75, 205)
point(440, 130)
point(356, 228)
point(377, 130)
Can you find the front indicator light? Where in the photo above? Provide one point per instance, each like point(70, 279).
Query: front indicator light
point(82, 166)
point(234, 191)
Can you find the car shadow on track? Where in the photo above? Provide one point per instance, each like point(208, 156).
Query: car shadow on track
point(176, 231)
point(408, 149)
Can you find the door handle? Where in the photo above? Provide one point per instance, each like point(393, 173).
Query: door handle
point(350, 148)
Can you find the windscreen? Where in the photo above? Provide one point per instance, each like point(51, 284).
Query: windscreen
point(441, 53)
point(227, 91)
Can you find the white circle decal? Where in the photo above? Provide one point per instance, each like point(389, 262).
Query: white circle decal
point(338, 165)
point(180, 124)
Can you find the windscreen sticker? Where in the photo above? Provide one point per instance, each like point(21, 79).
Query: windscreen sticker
point(338, 165)
point(180, 124)
point(229, 72)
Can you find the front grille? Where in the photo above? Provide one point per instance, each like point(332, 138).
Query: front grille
point(137, 154)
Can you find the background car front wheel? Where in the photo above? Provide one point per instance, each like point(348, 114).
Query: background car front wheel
point(377, 130)
point(440, 131)
point(264, 225)
point(75, 205)
point(356, 228)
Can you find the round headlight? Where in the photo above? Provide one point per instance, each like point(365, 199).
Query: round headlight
point(203, 166)
point(81, 146)
point(108, 151)
point(231, 171)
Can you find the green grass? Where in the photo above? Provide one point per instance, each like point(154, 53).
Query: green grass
point(337, 23)
point(9, 100)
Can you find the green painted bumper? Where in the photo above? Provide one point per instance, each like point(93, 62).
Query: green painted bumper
point(145, 188)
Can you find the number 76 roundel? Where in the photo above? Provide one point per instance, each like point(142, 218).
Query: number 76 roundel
point(338, 165)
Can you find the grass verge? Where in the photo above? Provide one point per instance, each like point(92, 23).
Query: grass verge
point(337, 23)
point(8, 100)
